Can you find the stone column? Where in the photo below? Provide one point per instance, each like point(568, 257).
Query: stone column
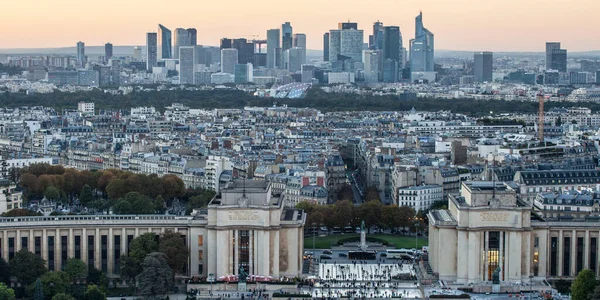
point(526, 247)
point(57, 250)
point(474, 256)
point(275, 247)
point(222, 261)
point(255, 253)
point(462, 257)
point(71, 245)
point(251, 252)
point(31, 243)
point(124, 241)
point(211, 255)
point(84, 246)
point(500, 257)
point(560, 254)
point(236, 250)
point(573, 253)
point(543, 254)
point(486, 255)
point(17, 240)
point(44, 244)
point(514, 253)
point(5, 245)
point(97, 250)
point(586, 250)
point(110, 263)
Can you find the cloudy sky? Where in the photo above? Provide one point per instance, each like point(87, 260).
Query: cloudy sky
point(475, 25)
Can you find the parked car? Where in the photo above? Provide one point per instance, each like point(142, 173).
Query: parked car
point(327, 252)
point(323, 256)
point(341, 254)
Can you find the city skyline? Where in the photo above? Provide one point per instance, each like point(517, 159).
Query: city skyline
point(526, 29)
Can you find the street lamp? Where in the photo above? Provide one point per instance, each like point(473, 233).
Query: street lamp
point(530, 286)
point(211, 278)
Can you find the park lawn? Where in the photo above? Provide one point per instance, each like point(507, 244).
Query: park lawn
point(399, 241)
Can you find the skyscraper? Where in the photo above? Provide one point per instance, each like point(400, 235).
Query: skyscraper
point(80, 54)
point(151, 50)
point(182, 38)
point(376, 39)
point(326, 46)
point(558, 60)
point(421, 48)
point(391, 42)
point(346, 41)
point(286, 36)
point(243, 73)
point(245, 50)
point(108, 51)
point(187, 62)
point(229, 58)
point(137, 53)
point(549, 47)
point(294, 58)
point(193, 34)
point(299, 40)
point(164, 43)
point(272, 48)
point(371, 60)
point(483, 66)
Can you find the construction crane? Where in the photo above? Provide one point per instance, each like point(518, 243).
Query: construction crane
point(540, 97)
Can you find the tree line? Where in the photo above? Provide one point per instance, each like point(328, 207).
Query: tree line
point(124, 191)
point(152, 263)
point(315, 98)
point(374, 213)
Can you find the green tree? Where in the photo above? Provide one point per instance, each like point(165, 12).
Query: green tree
point(159, 204)
point(6, 293)
point(38, 290)
point(372, 194)
point(27, 267)
point(156, 277)
point(86, 196)
point(173, 187)
point(342, 213)
point(76, 269)
point(595, 294)
point(390, 215)
point(51, 193)
point(94, 293)
point(173, 246)
point(55, 282)
point(62, 296)
point(122, 207)
point(199, 201)
point(96, 277)
point(4, 271)
point(371, 213)
point(140, 247)
point(129, 268)
point(584, 284)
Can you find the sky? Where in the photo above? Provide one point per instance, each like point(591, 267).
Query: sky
point(472, 25)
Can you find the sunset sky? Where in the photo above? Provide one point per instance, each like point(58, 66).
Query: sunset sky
point(475, 25)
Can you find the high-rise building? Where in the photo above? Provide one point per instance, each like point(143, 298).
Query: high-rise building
point(308, 73)
point(80, 54)
point(137, 53)
point(391, 43)
point(164, 43)
point(346, 42)
point(108, 51)
point(421, 48)
point(151, 50)
point(272, 48)
point(294, 58)
point(286, 36)
point(193, 34)
point(558, 60)
point(483, 66)
point(391, 68)
point(549, 47)
point(243, 73)
point(326, 46)
point(347, 25)
point(376, 39)
point(229, 58)
point(299, 40)
point(182, 38)
point(187, 62)
point(371, 60)
point(245, 50)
